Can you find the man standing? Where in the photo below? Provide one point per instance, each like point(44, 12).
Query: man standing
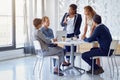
point(103, 36)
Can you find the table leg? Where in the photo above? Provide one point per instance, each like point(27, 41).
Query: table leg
point(72, 55)
point(72, 62)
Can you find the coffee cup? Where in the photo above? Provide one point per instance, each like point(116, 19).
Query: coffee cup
point(63, 38)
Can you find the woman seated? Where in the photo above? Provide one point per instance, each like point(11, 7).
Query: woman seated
point(48, 32)
point(44, 42)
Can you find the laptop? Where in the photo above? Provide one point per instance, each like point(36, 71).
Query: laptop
point(60, 34)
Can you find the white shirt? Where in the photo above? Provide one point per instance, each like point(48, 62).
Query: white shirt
point(99, 24)
point(70, 25)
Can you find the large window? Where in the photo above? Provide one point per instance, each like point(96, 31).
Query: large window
point(11, 24)
point(12, 20)
point(20, 20)
point(6, 27)
point(19, 8)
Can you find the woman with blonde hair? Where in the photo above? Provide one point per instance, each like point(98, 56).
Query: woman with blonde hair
point(89, 27)
point(48, 32)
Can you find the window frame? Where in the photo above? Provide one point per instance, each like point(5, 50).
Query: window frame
point(13, 30)
point(14, 45)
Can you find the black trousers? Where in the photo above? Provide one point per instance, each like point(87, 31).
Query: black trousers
point(86, 56)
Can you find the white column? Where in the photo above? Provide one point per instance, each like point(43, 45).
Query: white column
point(31, 16)
point(43, 5)
point(52, 13)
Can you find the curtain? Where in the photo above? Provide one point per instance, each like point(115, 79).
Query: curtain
point(28, 27)
point(31, 11)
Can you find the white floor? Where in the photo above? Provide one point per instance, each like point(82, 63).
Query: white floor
point(22, 69)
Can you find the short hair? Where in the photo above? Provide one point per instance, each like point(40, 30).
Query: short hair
point(74, 7)
point(97, 19)
point(37, 21)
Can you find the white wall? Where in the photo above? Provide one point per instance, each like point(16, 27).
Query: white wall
point(109, 10)
point(52, 12)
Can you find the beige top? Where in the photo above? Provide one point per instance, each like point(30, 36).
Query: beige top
point(89, 23)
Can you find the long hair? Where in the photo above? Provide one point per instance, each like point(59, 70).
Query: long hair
point(90, 11)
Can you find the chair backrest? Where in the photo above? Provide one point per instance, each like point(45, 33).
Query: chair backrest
point(37, 47)
point(113, 46)
point(59, 34)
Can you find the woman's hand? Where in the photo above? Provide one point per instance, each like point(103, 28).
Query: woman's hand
point(83, 37)
point(65, 21)
point(55, 39)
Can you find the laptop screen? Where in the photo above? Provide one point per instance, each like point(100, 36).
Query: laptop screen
point(59, 35)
